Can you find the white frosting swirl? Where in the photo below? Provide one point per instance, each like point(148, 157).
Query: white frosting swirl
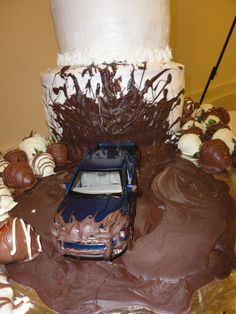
point(99, 56)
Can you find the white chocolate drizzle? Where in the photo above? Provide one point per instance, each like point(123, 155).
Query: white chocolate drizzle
point(3, 164)
point(13, 251)
point(6, 295)
point(6, 201)
point(26, 229)
point(8, 305)
point(39, 243)
point(43, 165)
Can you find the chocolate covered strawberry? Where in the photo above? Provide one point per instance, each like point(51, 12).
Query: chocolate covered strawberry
point(58, 151)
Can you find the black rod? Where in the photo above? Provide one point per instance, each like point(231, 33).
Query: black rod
point(215, 68)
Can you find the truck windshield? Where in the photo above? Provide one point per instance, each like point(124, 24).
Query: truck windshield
point(97, 182)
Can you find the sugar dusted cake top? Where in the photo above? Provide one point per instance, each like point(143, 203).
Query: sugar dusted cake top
point(97, 31)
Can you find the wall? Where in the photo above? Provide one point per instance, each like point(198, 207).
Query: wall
point(198, 33)
point(28, 47)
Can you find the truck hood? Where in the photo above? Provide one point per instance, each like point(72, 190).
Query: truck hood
point(81, 208)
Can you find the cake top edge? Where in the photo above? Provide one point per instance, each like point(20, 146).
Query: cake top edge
point(108, 30)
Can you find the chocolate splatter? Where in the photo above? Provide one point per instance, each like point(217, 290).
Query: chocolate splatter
point(106, 113)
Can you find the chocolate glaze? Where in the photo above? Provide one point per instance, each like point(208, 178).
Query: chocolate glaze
point(80, 231)
point(223, 114)
point(111, 115)
point(18, 242)
point(214, 156)
point(212, 129)
point(16, 155)
point(19, 176)
point(184, 237)
point(233, 156)
point(59, 153)
point(220, 112)
point(188, 108)
point(194, 130)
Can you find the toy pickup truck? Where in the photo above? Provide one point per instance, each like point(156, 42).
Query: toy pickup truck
point(95, 218)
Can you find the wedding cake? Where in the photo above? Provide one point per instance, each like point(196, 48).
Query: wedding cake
point(115, 79)
point(115, 82)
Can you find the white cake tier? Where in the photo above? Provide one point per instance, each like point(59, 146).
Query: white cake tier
point(97, 31)
point(114, 102)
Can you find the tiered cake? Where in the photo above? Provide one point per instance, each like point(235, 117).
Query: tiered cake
point(115, 80)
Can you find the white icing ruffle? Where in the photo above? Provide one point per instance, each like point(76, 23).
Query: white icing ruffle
point(96, 56)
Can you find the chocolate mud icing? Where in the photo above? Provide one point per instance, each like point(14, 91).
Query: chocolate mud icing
point(106, 113)
point(80, 231)
point(179, 246)
point(196, 208)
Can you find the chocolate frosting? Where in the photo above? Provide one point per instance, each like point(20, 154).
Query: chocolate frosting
point(80, 231)
point(184, 237)
point(111, 115)
point(197, 212)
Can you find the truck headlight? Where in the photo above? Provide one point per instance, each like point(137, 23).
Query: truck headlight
point(124, 234)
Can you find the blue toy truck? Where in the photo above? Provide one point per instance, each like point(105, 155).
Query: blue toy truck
point(95, 218)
